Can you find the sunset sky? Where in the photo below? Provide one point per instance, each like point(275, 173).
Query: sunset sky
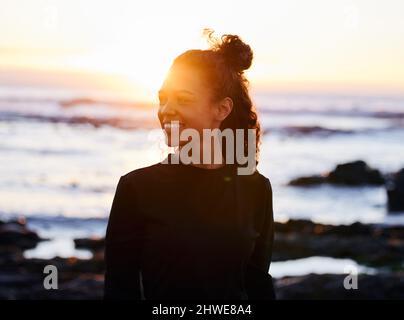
point(308, 45)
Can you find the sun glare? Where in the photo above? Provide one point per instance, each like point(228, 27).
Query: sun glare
point(142, 55)
point(334, 45)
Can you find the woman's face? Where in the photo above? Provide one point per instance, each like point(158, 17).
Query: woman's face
point(184, 97)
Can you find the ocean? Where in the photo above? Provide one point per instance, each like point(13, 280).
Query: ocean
point(61, 158)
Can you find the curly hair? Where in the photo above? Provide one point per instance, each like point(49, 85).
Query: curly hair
point(222, 66)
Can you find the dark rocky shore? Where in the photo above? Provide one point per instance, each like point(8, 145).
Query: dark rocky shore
point(22, 278)
point(359, 173)
point(330, 286)
point(374, 245)
point(356, 173)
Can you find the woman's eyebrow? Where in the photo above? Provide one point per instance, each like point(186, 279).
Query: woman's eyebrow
point(185, 91)
point(177, 91)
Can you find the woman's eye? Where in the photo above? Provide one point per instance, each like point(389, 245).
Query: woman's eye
point(182, 100)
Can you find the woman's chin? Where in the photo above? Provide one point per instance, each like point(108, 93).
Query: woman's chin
point(173, 141)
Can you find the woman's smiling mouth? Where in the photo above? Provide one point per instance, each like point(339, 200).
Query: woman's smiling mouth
point(173, 125)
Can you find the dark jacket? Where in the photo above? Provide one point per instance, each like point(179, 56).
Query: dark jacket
point(182, 232)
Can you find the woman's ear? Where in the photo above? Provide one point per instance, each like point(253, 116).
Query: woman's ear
point(224, 107)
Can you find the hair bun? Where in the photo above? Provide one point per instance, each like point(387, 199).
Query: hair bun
point(235, 52)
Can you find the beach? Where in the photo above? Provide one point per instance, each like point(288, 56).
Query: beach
point(62, 156)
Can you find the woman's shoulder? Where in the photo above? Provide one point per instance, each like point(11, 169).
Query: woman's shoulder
point(265, 180)
point(257, 177)
point(148, 172)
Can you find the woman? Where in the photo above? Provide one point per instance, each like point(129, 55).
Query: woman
point(197, 230)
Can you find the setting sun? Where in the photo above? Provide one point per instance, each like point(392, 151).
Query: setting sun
point(337, 46)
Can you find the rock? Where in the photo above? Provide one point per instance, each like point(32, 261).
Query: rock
point(77, 279)
point(330, 286)
point(395, 192)
point(308, 227)
point(365, 250)
point(314, 130)
point(355, 173)
point(16, 234)
point(368, 244)
point(308, 181)
point(93, 244)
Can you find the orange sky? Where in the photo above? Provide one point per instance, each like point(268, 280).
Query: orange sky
point(308, 45)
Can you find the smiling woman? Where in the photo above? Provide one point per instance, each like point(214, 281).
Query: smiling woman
point(217, 97)
point(195, 231)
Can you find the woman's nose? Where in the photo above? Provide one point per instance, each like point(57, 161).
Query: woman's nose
point(167, 109)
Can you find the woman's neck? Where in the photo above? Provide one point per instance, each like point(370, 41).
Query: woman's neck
point(208, 166)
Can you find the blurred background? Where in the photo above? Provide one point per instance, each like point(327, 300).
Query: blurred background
point(78, 109)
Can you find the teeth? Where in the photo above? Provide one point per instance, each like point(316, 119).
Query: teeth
point(172, 125)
